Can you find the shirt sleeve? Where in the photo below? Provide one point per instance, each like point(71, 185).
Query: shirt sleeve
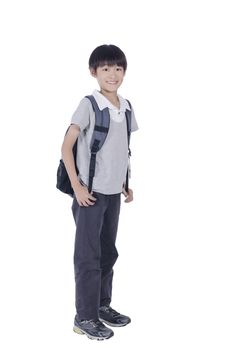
point(134, 125)
point(81, 116)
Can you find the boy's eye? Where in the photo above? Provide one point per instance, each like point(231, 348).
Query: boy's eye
point(106, 69)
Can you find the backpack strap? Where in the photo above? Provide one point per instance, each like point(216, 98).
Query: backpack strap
point(128, 123)
point(100, 132)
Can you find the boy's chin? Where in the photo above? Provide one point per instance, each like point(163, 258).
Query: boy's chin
point(110, 88)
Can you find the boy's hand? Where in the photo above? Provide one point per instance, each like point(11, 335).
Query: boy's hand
point(83, 197)
point(129, 195)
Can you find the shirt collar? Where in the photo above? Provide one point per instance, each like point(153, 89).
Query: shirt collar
point(103, 102)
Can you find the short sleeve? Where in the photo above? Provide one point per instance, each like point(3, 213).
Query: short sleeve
point(134, 125)
point(81, 116)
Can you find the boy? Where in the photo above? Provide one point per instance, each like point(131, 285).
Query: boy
point(96, 214)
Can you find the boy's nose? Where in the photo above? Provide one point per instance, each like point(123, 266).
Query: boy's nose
point(112, 74)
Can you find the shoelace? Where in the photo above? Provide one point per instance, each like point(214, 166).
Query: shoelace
point(95, 323)
point(112, 311)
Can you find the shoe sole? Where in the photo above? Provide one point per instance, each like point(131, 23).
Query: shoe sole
point(92, 337)
point(113, 324)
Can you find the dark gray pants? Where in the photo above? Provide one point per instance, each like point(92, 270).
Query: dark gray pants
point(95, 253)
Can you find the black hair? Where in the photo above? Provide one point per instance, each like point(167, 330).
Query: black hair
point(107, 54)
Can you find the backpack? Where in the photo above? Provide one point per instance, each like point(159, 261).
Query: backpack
point(101, 128)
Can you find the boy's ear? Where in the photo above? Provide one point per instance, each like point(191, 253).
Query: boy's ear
point(92, 72)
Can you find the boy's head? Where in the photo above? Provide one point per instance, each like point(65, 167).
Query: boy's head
point(108, 64)
point(107, 55)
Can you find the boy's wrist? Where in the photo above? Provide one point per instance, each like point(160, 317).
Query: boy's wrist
point(77, 185)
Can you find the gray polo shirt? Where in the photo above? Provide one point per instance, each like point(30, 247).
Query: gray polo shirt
point(112, 159)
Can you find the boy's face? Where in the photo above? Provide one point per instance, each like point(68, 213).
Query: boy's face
point(109, 77)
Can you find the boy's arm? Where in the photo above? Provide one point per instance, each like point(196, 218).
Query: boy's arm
point(83, 197)
point(67, 154)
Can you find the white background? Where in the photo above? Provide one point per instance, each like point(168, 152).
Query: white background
point(173, 275)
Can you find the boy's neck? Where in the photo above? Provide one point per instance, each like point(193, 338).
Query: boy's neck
point(112, 97)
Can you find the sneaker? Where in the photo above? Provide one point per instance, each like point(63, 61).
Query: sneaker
point(112, 317)
point(94, 329)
